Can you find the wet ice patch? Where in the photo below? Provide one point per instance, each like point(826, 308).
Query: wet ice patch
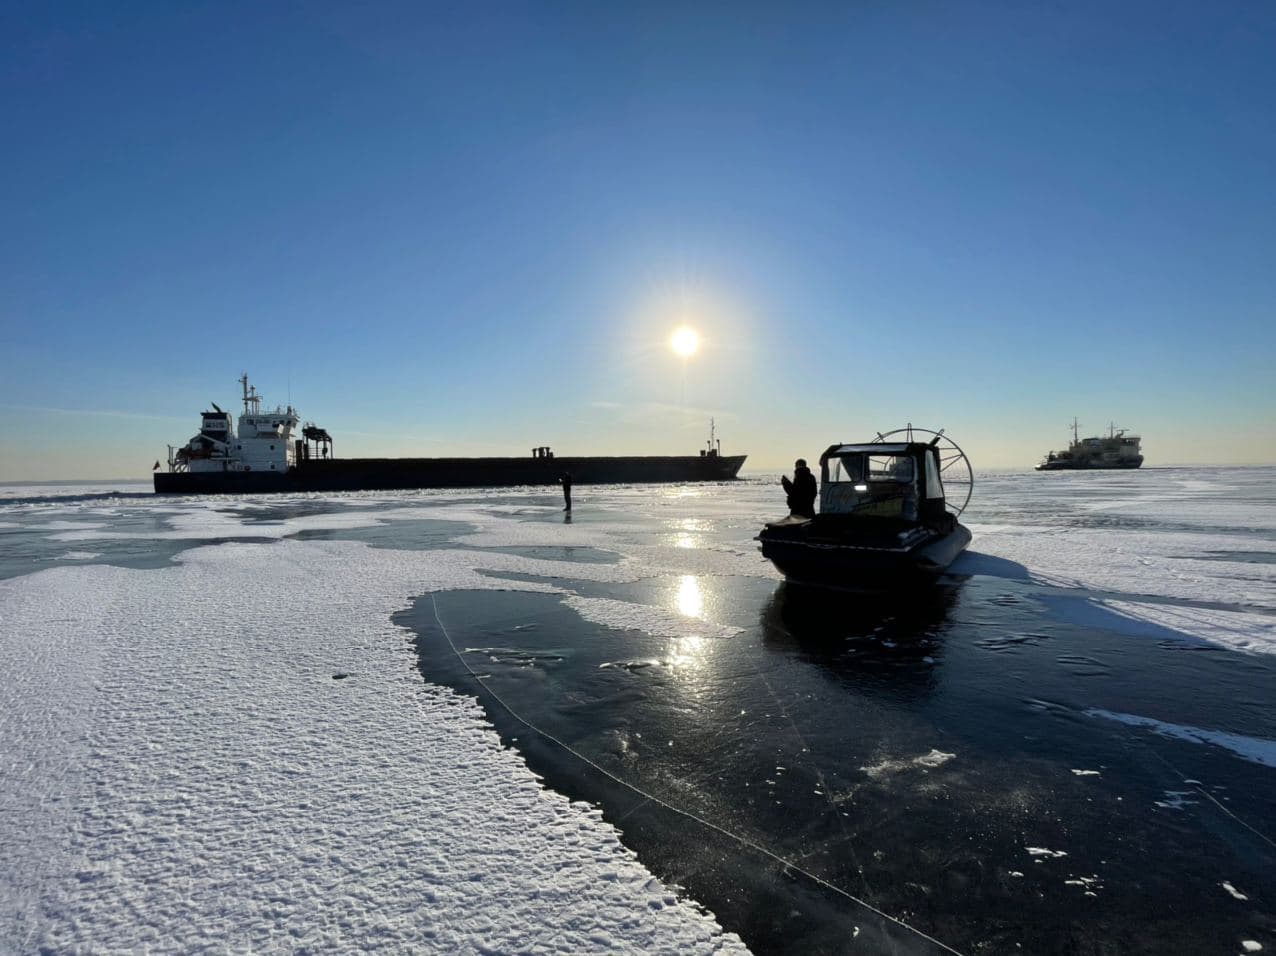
point(1254, 749)
point(927, 761)
point(67, 525)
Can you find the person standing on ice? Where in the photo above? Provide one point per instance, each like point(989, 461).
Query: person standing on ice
point(801, 490)
point(567, 489)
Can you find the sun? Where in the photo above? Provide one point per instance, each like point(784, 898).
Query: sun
point(685, 341)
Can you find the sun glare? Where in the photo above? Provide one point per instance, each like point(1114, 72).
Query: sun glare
point(685, 341)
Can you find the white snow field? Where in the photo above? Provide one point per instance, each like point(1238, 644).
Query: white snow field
point(237, 751)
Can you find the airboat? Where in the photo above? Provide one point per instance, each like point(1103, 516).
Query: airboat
point(888, 514)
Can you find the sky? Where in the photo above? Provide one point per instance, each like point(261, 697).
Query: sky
point(470, 229)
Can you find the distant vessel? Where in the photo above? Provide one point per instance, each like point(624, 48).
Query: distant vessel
point(263, 456)
point(886, 518)
point(1115, 450)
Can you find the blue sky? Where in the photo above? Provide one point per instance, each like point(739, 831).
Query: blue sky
point(471, 228)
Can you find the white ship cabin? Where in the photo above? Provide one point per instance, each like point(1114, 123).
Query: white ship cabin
point(264, 440)
point(900, 481)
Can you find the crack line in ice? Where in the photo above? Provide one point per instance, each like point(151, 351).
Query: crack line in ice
point(1155, 724)
point(743, 841)
point(819, 776)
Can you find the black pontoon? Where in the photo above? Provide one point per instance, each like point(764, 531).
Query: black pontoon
point(884, 517)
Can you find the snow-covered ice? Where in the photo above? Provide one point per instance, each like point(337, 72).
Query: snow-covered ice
point(182, 771)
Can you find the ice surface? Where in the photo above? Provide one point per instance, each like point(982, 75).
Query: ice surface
point(1254, 749)
point(180, 769)
point(1247, 631)
point(183, 772)
point(1167, 555)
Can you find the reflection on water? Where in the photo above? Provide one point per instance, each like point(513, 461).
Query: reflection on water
point(890, 644)
point(816, 616)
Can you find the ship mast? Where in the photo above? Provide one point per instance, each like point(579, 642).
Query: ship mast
point(1075, 439)
point(250, 396)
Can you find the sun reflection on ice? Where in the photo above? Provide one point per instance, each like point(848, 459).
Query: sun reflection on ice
point(688, 533)
point(688, 652)
point(690, 598)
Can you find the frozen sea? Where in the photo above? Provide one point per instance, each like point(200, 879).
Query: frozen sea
point(461, 722)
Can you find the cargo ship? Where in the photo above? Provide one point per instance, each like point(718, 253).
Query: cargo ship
point(1114, 450)
point(264, 455)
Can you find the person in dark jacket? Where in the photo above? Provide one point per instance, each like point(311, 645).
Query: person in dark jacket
point(567, 489)
point(801, 490)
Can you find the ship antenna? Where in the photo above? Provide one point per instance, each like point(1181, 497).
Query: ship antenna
point(1074, 431)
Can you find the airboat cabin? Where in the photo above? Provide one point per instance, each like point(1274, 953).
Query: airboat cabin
point(900, 481)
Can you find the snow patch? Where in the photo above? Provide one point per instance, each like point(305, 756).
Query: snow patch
point(927, 761)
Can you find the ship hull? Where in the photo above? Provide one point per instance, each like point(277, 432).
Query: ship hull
point(386, 474)
point(1059, 465)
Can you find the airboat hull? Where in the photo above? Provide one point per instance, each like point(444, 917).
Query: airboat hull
point(800, 554)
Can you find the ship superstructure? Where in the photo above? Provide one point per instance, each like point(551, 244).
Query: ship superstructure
point(263, 455)
point(263, 442)
point(1116, 449)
